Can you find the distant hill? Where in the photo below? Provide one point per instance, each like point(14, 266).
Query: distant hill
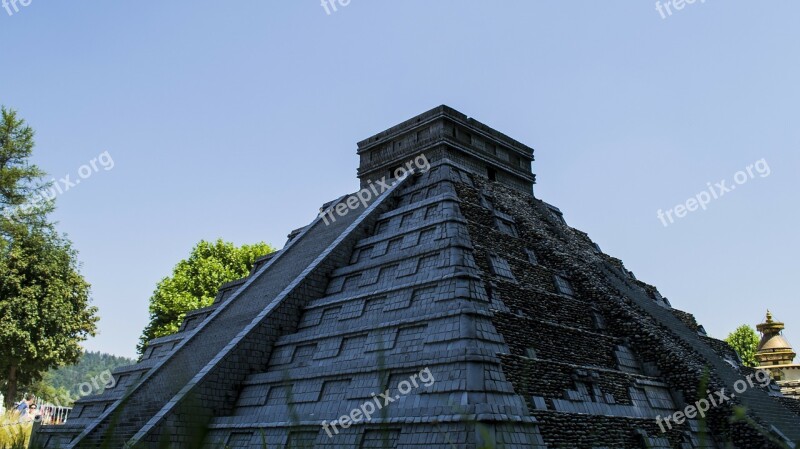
point(66, 384)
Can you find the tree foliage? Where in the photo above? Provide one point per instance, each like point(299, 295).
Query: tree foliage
point(44, 310)
point(44, 300)
point(744, 340)
point(19, 178)
point(195, 282)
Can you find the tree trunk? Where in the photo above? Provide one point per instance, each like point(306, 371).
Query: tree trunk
point(11, 390)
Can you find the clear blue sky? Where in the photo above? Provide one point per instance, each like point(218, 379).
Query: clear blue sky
point(239, 119)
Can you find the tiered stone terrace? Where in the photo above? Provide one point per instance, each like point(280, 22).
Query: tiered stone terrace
point(534, 336)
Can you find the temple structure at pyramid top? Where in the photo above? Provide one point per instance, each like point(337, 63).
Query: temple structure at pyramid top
point(440, 306)
point(444, 133)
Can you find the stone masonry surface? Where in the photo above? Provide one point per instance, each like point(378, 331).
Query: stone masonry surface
point(535, 337)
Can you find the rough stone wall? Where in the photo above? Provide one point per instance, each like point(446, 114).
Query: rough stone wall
point(663, 358)
point(580, 431)
point(687, 319)
point(723, 349)
point(791, 404)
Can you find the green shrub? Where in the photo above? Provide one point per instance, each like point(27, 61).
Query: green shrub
point(13, 435)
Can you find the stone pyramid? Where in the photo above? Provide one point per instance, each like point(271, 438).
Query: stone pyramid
point(442, 308)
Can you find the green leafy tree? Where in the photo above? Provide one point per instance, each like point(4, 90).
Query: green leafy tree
point(195, 282)
point(44, 300)
point(21, 181)
point(45, 391)
point(44, 307)
point(744, 340)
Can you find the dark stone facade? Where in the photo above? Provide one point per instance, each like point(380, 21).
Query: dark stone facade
point(534, 337)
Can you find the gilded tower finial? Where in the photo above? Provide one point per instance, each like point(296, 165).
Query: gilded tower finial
point(773, 349)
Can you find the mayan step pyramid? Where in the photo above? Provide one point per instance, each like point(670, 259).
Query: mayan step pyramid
point(454, 308)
